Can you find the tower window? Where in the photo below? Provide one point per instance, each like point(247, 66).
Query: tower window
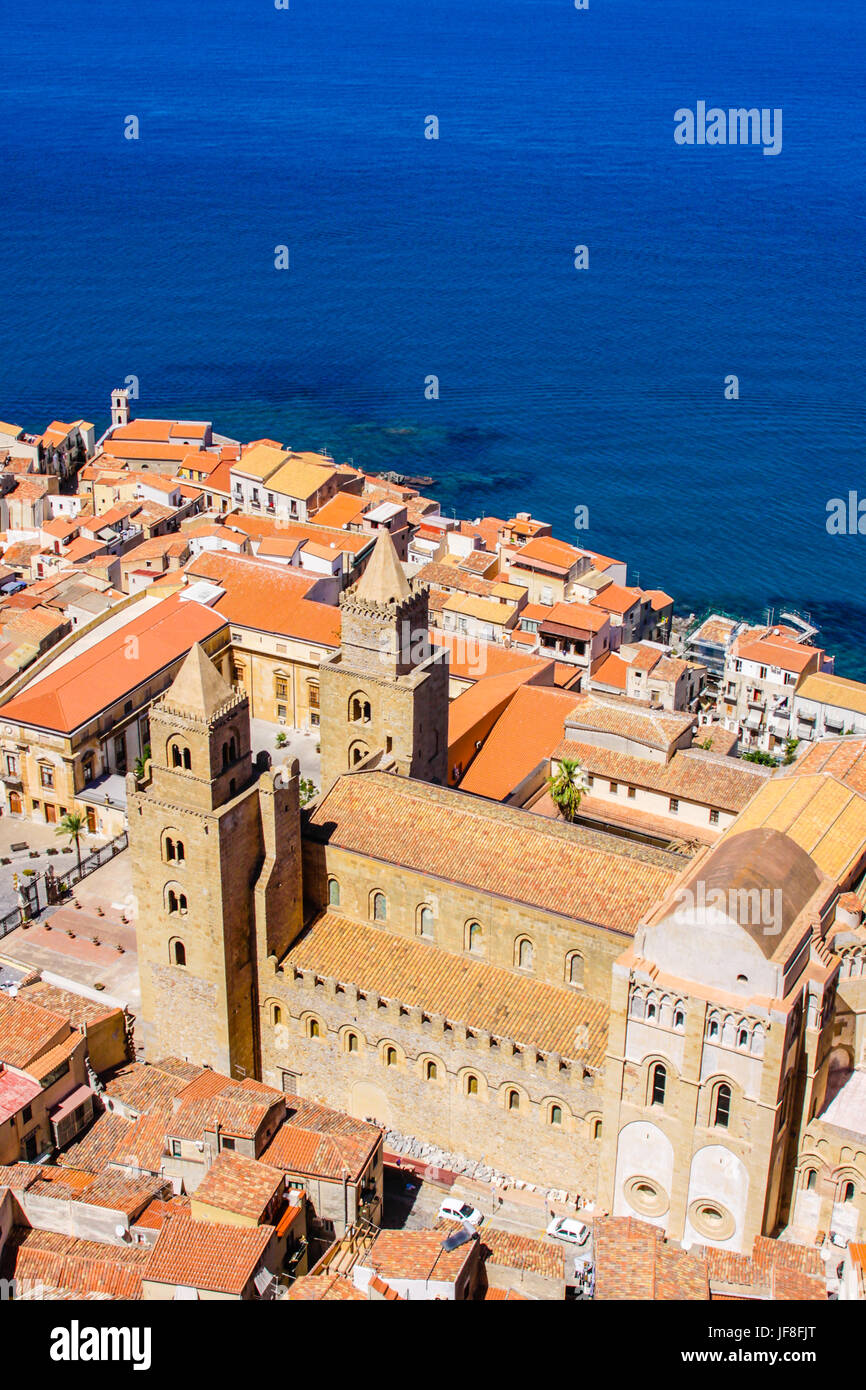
point(390, 1056)
point(722, 1107)
point(380, 907)
point(430, 1071)
point(351, 1042)
point(179, 953)
point(425, 921)
point(596, 1129)
point(474, 936)
point(471, 1085)
point(811, 1179)
point(848, 1192)
point(333, 893)
point(575, 970)
point(556, 1114)
point(313, 1029)
point(513, 1100)
point(659, 1084)
point(278, 1015)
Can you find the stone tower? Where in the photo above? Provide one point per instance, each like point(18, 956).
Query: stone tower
point(215, 843)
point(120, 407)
point(720, 1030)
point(384, 695)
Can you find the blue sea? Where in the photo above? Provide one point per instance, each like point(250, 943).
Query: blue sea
point(411, 257)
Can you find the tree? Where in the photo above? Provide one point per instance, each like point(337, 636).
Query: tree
point(72, 825)
point(567, 787)
point(140, 764)
point(307, 790)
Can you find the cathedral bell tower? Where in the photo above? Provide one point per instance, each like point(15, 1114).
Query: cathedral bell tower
point(215, 842)
point(384, 695)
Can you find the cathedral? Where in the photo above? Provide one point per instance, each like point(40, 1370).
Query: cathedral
point(675, 1038)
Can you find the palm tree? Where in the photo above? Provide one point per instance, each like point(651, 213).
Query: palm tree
point(72, 825)
point(567, 787)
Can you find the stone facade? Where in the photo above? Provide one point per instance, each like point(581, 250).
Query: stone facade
point(216, 873)
point(386, 691)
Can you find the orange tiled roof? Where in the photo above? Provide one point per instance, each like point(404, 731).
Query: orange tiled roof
point(144, 1087)
point(549, 553)
point(27, 1031)
point(310, 1153)
point(616, 599)
point(325, 1287)
point(525, 735)
point(99, 1144)
point(843, 758)
point(240, 1185)
point(443, 833)
point(101, 675)
point(417, 1255)
point(205, 1255)
point(634, 1261)
point(488, 997)
point(511, 1251)
point(80, 1266)
point(726, 783)
point(268, 597)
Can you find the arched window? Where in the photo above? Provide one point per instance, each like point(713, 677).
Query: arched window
point(225, 755)
point(425, 921)
point(187, 759)
point(713, 1030)
point(389, 1056)
point(555, 1114)
point(473, 936)
point(679, 1016)
point(742, 1036)
point(181, 902)
point(176, 757)
point(172, 901)
point(811, 1179)
point(596, 1129)
point(431, 1071)
point(848, 1192)
point(652, 1008)
point(512, 1100)
point(313, 1029)
point(179, 953)
point(169, 848)
point(278, 1015)
point(380, 907)
point(471, 1084)
point(574, 975)
point(179, 852)
point(524, 953)
point(351, 1042)
point(333, 893)
point(659, 1083)
point(722, 1106)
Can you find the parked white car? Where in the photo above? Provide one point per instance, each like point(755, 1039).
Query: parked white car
point(455, 1210)
point(566, 1228)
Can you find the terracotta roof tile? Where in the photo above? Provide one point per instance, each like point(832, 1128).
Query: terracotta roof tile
point(586, 876)
point(205, 1255)
point(487, 997)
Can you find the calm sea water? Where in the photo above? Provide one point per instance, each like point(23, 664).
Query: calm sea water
point(412, 257)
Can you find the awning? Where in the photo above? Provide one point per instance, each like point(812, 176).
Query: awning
point(70, 1103)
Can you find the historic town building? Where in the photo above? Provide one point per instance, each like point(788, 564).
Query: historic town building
point(667, 1034)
